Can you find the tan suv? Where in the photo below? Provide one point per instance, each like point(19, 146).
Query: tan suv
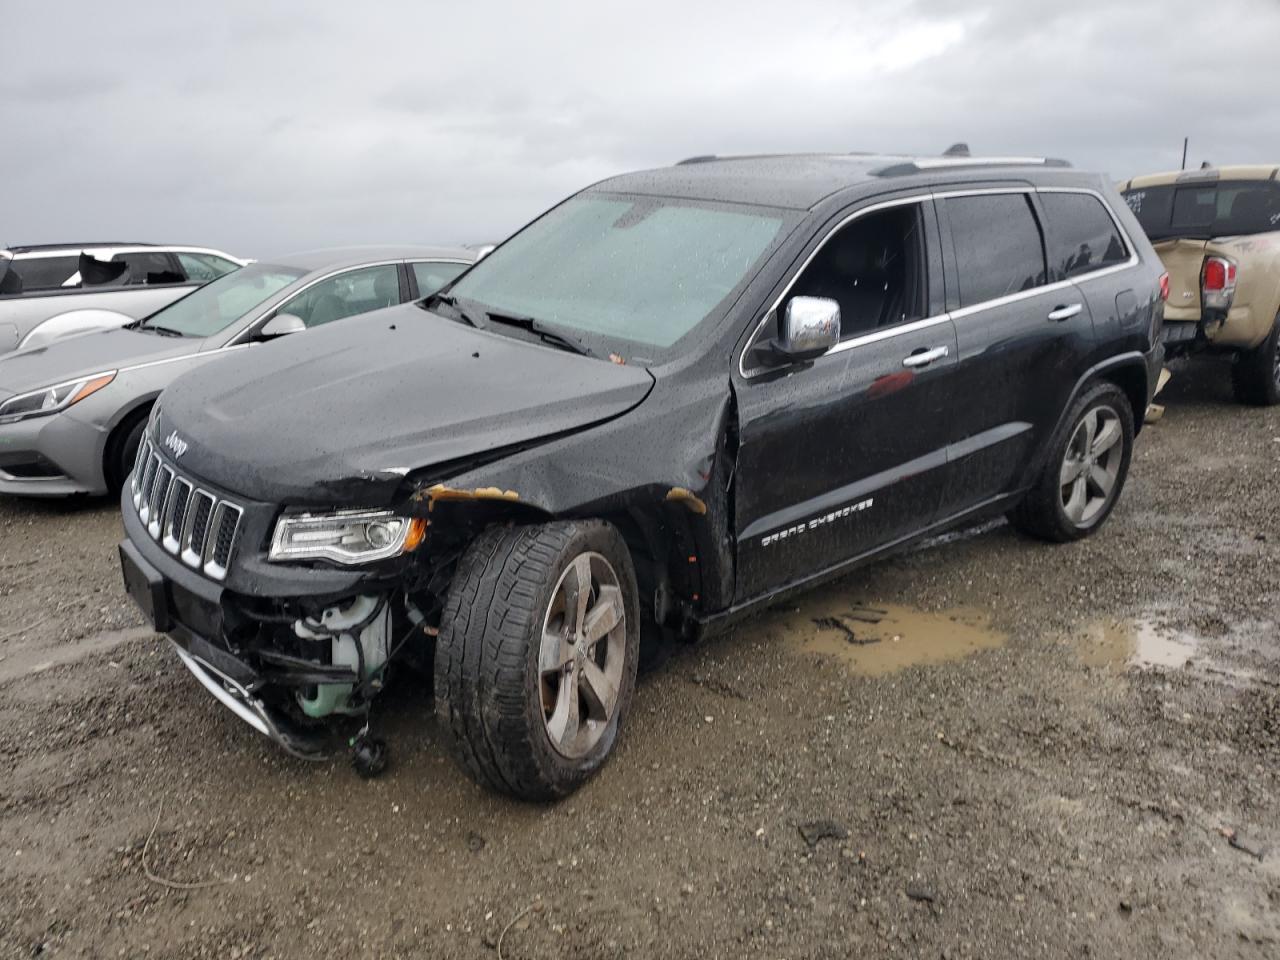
point(1217, 230)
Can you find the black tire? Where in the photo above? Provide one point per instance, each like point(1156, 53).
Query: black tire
point(489, 690)
point(122, 450)
point(1256, 373)
point(1042, 512)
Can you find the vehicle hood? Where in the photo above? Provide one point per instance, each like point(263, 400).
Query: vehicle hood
point(87, 354)
point(343, 413)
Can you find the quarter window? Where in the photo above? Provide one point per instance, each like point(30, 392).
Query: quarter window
point(999, 250)
point(874, 269)
point(1082, 235)
point(432, 275)
point(150, 269)
point(203, 267)
point(347, 294)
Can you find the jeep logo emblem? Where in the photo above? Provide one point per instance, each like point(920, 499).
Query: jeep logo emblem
point(176, 444)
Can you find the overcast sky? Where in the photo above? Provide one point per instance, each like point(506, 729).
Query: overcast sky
point(261, 129)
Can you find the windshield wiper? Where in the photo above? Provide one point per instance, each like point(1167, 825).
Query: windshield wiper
point(163, 331)
point(463, 313)
point(546, 335)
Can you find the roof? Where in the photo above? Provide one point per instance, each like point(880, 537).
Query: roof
point(801, 181)
point(1267, 171)
point(354, 256)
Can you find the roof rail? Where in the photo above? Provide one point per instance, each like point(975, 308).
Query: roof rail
point(40, 247)
point(958, 161)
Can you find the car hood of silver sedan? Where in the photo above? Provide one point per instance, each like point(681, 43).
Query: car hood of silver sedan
point(88, 354)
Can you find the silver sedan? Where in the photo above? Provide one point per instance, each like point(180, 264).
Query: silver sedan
point(72, 411)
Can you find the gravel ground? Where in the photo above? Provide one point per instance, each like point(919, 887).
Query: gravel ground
point(1045, 795)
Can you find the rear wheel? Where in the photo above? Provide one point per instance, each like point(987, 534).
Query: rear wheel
point(1086, 469)
point(535, 665)
point(1256, 373)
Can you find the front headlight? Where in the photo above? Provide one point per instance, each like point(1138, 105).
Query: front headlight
point(39, 403)
point(346, 536)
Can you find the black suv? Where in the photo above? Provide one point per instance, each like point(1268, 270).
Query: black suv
point(669, 399)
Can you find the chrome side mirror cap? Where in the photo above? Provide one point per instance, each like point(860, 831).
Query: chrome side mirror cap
point(282, 324)
point(810, 327)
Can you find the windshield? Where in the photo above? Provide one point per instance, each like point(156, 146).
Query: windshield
point(1205, 210)
point(220, 303)
point(640, 269)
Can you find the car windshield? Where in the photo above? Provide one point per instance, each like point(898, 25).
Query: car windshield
point(1205, 210)
point(646, 270)
point(220, 303)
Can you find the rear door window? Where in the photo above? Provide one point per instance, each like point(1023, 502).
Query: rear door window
point(998, 246)
point(1082, 237)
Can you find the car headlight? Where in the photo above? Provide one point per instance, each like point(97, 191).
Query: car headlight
point(39, 403)
point(346, 536)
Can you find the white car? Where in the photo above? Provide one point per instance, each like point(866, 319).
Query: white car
point(44, 297)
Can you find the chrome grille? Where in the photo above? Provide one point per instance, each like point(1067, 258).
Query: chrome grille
point(194, 525)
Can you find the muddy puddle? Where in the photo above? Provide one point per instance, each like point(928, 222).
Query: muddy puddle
point(873, 639)
point(1136, 643)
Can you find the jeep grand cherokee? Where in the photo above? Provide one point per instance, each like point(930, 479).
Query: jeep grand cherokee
point(668, 400)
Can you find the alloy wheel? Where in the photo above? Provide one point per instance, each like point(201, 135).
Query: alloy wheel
point(1091, 466)
point(582, 655)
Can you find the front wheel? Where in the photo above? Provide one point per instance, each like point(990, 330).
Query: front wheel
point(1256, 373)
point(122, 450)
point(535, 664)
point(1085, 471)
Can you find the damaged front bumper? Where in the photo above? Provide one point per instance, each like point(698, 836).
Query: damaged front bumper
point(278, 691)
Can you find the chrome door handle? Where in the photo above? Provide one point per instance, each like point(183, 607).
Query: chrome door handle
point(924, 358)
point(1065, 313)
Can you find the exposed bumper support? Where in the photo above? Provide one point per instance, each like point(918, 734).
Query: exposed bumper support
point(236, 698)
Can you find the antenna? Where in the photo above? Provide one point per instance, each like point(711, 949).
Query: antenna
point(1185, 141)
point(957, 150)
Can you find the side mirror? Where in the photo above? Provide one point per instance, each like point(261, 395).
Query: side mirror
point(280, 325)
point(810, 327)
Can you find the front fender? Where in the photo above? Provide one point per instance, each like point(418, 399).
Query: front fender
point(70, 324)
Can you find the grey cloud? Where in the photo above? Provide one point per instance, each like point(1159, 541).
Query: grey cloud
point(261, 129)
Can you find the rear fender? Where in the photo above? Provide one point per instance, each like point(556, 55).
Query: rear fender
point(1126, 370)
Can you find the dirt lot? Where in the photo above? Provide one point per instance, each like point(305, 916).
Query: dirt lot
point(1036, 752)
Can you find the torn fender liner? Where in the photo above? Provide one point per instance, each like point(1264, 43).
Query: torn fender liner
point(688, 498)
point(396, 387)
point(439, 492)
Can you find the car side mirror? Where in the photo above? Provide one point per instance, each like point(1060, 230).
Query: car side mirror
point(280, 325)
point(810, 327)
